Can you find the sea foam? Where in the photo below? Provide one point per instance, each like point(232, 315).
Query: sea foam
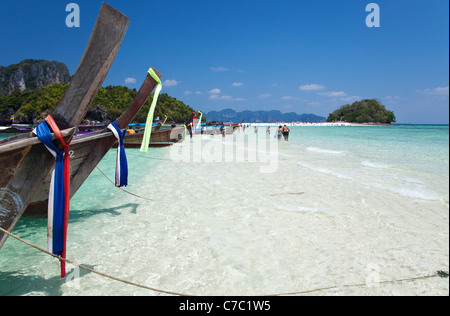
point(324, 151)
point(324, 170)
point(370, 164)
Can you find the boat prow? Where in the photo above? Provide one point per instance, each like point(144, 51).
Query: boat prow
point(24, 168)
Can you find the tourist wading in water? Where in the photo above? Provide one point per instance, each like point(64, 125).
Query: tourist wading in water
point(286, 131)
point(279, 132)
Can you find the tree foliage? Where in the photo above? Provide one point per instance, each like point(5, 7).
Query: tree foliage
point(111, 101)
point(365, 111)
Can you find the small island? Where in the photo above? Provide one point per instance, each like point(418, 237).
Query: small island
point(369, 111)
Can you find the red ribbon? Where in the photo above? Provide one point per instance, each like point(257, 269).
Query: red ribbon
point(52, 124)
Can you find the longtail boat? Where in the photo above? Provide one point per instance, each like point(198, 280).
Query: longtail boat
point(213, 128)
point(87, 150)
point(24, 161)
point(16, 129)
point(159, 138)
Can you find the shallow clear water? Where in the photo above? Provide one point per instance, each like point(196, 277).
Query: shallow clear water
point(248, 215)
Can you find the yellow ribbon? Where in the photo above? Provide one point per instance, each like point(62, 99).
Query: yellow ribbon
point(149, 123)
point(199, 121)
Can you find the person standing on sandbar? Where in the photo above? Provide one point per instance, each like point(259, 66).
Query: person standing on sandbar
point(286, 131)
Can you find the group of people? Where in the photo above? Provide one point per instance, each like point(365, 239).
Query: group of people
point(281, 131)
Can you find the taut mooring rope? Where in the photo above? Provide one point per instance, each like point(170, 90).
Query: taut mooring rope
point(128, 192)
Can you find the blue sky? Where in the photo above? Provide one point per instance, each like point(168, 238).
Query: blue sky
point(299, 56)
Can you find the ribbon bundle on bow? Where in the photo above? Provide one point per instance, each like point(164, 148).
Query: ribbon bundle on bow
point(199, 121)
point(121, 160)
point(59, 192)
point(149, 123)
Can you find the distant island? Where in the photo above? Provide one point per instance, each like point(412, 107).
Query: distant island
point(366, 111)
point(262, 117)
point(32, 89)
point(32, 106)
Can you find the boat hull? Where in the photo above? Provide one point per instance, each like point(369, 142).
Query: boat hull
point(228, 129)
point(159, 138)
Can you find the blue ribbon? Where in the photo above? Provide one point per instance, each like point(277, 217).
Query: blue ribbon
point(56, 227)
point(121, 161)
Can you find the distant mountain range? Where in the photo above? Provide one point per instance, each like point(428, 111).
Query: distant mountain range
point(262, 116)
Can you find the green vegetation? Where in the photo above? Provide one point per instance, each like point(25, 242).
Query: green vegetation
point(365, 111)
point(110, 103)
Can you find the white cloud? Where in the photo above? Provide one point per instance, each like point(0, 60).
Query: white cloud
point(237, 84)
point(394, 100)
point(288, 97)
point(171, 83)
point(264, 96)
point(436, 91)
point(187, 92)
point(215, 91)
point(215, 94)
point(224, 97)
point(334, 94)
point(219, 69)
point(198, 92)
point(130, 80)
point(350, 98)
point(311, 87)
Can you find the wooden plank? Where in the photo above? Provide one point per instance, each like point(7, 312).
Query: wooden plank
point(32, 170)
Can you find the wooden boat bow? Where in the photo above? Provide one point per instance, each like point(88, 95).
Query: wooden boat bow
point(26, 168)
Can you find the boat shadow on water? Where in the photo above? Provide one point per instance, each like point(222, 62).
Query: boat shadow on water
point(77, 215)
point(17, 283)
point(12, 283)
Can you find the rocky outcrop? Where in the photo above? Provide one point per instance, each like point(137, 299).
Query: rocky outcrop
point(32, 74)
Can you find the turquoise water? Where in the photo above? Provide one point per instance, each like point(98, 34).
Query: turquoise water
point(248, 215)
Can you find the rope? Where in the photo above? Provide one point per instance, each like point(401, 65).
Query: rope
point(128, 192)
point(441, 274)
point(438, 273)
point(91, 270)
point(140, 156)
point(287, 193)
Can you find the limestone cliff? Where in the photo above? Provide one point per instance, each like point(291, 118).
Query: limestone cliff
point(32, 74)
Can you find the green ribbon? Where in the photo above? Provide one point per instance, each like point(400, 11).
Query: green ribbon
point(149, 123)
point(200, 120)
